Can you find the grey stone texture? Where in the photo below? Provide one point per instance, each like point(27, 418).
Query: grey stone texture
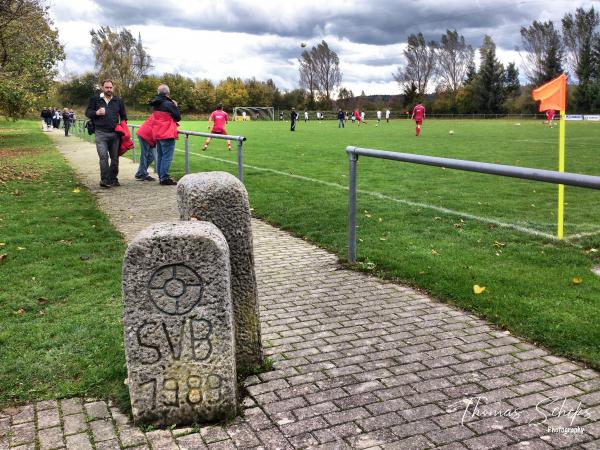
point(178, 318)
point(220, 198)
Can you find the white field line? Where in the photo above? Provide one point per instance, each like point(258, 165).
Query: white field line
point(441, 209)
point(582, 235)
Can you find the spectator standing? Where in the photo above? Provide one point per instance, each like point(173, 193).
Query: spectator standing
point(160, 130)
point(106, 111)
point(340, 117)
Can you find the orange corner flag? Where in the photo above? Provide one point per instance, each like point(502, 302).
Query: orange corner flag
point(553, 94)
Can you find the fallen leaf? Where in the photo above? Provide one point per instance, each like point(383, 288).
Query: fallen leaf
point(437, 218)
point(3, 256)
point(380, 219)
point(478, 289)
point(457, 225)
point(21, 248)
point(84, 257)
point(77, 190)
point(42, 301)
point(576, 280)
point(20, 311)
point(2, 244)
point(591, 250)
point(41, 313)
point(434, 252)
point(499, 244)
point(368, 215)
point(382, 238)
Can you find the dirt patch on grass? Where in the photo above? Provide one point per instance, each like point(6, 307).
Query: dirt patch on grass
point(12, 152)
point(8, 130)
point(15, 172)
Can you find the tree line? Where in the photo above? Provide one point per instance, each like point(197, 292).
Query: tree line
point(547, 51)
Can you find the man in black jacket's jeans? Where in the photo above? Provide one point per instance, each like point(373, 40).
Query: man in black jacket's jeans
point(106, 111)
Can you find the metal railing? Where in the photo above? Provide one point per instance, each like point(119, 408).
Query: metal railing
point(239, 139)
point(527, 173)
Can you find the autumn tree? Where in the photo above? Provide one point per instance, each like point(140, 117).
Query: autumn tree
point(77, 89)
point(120, 57)
point(320, 73)
point(232, 92)
point(29, 51)
point(453, 59)
point(542, 51)
point(420, 64)
point(260, 93)
point(204, 95)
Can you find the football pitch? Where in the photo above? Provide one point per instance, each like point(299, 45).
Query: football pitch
point(440, 230)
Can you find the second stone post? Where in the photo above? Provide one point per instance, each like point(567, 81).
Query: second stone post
point(220, 198)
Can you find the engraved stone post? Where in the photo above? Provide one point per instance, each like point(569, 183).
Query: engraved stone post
point(221, 198)
point(179, 336)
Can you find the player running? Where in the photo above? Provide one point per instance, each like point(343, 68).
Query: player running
point(219, 119)
point(378, 117)
point(387, 116)
point(550, 117)
point(418, 114)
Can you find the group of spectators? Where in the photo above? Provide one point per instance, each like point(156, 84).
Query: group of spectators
point(52, 117)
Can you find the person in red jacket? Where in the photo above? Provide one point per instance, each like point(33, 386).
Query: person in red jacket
point(550, 117)
point(160, 130)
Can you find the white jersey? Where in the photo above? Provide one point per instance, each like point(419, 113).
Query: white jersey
point(387, 113)
point(306, 115)
point(378, 115)
point(362, 116)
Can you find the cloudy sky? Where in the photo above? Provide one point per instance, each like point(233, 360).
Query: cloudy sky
point(261, 38)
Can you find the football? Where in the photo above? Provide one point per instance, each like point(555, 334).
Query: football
point(303, 45)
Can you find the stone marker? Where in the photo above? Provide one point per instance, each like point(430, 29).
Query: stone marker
point(179, 335)
point(220, 198)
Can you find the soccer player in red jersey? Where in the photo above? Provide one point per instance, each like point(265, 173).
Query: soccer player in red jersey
point(550, 117)
point(356, 115)
point(219, 119)
point(418, 114)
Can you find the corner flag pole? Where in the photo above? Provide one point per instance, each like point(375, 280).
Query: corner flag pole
point(561, 168)
point(553, 96)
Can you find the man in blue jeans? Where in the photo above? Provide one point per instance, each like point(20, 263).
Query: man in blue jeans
point(146, 158)
point(160, 129)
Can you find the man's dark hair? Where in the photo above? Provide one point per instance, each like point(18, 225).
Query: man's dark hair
point(107, 81)
point(220, 106)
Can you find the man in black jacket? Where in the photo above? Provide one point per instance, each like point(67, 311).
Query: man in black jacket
point(106, 111)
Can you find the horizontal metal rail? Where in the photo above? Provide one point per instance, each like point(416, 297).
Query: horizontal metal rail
point(526, 173)
point(186, 133)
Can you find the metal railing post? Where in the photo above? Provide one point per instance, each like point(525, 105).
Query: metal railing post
point(353, 157)
point(240, 161)
point(133, 140)
point(187, 154)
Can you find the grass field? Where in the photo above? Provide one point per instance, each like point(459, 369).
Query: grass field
point(61, 332)
point(440, 230)
point(60, 303)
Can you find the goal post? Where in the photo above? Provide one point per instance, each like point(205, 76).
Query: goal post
point(254, 113)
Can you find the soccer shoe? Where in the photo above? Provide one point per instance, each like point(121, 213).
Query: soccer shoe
point(229, 147)
point(204, 148)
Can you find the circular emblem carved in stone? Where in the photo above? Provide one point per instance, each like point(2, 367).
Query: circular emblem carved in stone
point(175, 289)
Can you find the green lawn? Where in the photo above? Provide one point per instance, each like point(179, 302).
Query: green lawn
point(440, 230)
point(60, 300)
point(61, 332)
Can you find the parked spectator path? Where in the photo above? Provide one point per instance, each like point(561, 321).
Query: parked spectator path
point(359, 362)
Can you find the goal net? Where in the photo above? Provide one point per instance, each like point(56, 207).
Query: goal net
point(253, 113)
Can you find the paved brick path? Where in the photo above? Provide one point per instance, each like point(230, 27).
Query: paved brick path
point(359, 363)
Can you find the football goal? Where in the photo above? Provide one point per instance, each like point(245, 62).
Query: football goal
point(253, 113)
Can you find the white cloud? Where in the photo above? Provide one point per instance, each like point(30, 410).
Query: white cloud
point(239, 38)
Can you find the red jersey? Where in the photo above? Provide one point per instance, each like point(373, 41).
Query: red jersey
point(220, 118)
point(418, 112)
point(357, 115)
point(550, 114)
